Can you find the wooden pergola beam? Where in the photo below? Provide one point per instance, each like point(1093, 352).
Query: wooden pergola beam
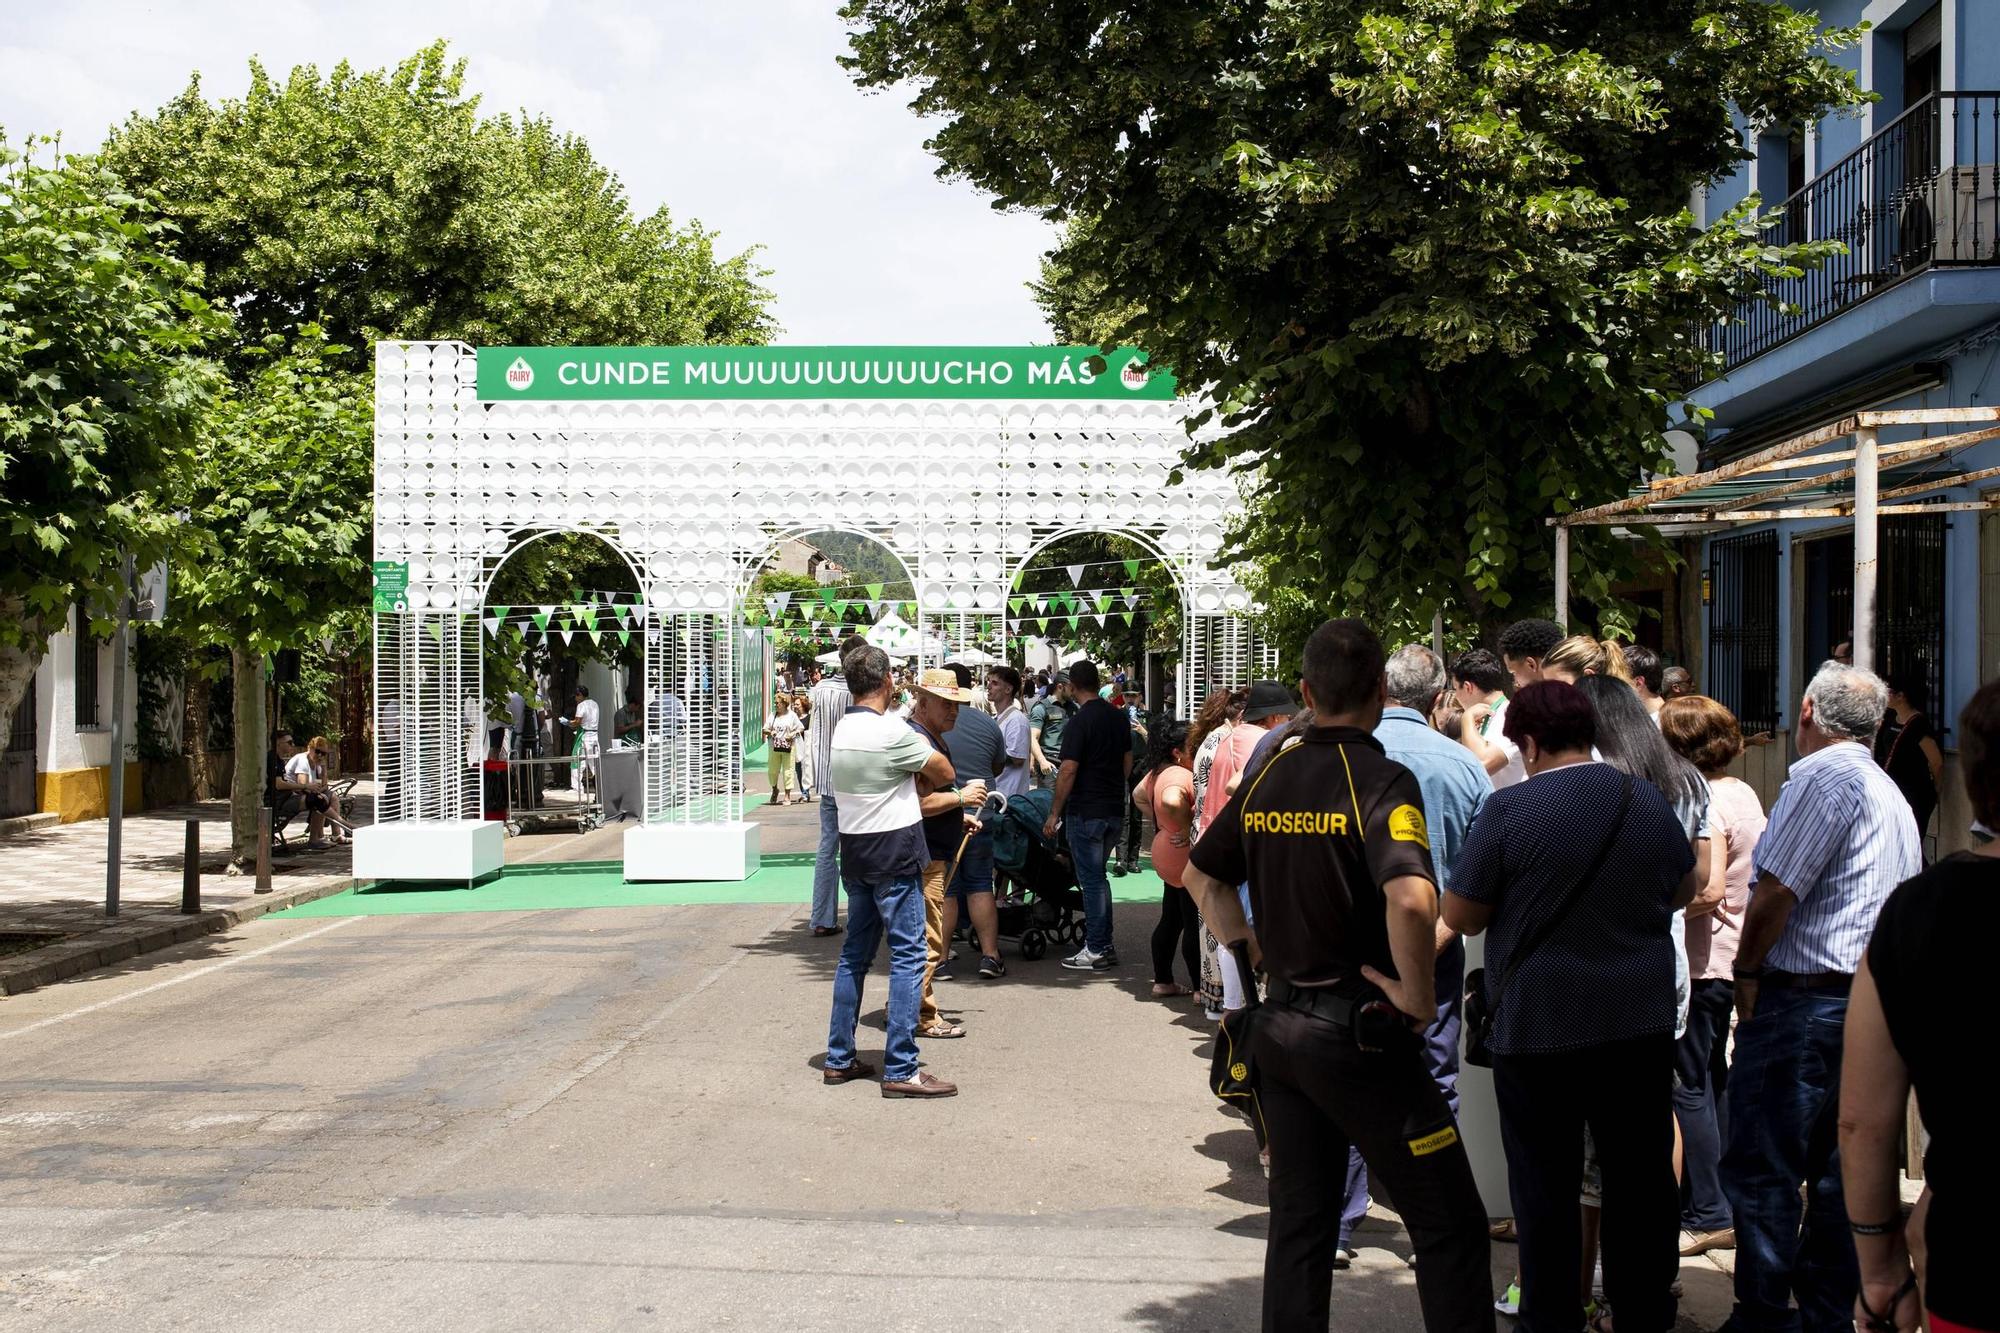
point(1724, 518)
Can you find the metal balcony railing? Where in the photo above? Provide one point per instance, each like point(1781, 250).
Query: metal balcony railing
point(1917, 196)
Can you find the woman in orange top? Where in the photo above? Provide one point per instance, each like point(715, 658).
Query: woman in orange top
point(1168, 788)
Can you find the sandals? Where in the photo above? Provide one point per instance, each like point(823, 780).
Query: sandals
point(941, 1028)
point(1168, 990)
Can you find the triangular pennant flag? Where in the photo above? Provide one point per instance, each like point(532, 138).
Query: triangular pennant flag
point(1131, 601)
point(1131, 569)
point(1075, 574)
point(785, 600)
point(1072, 624)
point(541, 618)
point(501, 612)
point(840, 608)
point(772, 607)
point(1014, 604)
point(826, 596)
point(625, 637)
point(1103, 604)
point(493, 626)
point(1100, 621)
point(1019, 574)
point(875, 591)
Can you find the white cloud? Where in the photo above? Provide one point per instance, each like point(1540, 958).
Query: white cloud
point(734, 113)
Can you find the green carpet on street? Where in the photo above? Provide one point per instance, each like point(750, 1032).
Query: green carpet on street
point(782, 877)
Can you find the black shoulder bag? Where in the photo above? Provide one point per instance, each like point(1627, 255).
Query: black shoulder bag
point(1479, 1012)
point(1232, 1073)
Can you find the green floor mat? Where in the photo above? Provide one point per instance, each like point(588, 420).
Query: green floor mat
point(783, 877)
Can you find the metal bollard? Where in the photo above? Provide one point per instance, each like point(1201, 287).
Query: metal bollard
point(191, 869)
point(264, 850)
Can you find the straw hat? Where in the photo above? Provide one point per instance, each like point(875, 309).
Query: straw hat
point(944, 684)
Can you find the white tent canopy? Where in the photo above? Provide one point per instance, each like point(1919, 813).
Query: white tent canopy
point(893, 635)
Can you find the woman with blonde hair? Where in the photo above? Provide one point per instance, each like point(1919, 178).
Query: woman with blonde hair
point(1219, 983)
point(1580, 655)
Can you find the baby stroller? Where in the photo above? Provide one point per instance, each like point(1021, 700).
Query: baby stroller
point(1034, 884)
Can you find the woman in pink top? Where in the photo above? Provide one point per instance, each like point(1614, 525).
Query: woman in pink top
point(1168, 788)
point(1205, 740)
point(1706, 734)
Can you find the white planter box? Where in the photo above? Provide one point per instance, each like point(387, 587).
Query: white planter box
point(454, 851)
point(696, 852)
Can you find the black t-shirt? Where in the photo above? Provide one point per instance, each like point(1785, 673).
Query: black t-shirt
point(1899, 749)
point(1099, 738)
point(1317, 831)
point(942, 832)
point(274, 768)
point(1932, 974)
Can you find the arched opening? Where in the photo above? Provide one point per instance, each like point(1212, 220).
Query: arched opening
point(563, 669)
point(1103, 593)
point(811, 589)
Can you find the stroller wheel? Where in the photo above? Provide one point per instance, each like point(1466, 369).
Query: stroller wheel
point(1033, 945)
point(1072, 932)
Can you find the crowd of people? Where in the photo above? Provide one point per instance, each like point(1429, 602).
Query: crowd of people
point(1702, 1022)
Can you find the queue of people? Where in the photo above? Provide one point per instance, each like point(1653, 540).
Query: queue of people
point(1571, 801)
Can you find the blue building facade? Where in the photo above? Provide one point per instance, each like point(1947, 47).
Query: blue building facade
point(1909, 317)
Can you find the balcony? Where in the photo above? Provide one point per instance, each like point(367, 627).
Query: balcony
point(1918, 197)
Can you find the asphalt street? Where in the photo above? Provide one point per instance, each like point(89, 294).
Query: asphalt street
point(614, 1118)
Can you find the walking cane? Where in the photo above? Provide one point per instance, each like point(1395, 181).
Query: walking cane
point(994, 806)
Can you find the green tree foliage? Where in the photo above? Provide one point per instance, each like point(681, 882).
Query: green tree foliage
point(382, 205)
point(1431, 258)
point(103, 382)
point(277, 494)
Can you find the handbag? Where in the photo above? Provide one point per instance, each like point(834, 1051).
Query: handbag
point(1232, 1070)
point(1480, 1013)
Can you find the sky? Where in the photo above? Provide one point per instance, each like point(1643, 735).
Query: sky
point(731, 112)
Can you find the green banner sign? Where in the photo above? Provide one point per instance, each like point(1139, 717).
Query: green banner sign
point(582, 373)
point(392, 587)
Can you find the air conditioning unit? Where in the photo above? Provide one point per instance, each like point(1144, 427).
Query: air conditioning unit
point(1965, 212)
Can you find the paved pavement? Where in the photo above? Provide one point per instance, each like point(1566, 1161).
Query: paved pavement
point(52, 887)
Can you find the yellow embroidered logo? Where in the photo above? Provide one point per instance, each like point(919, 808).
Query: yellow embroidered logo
point(1406, 824)
point(1239, 1071)
point(1445, 1137)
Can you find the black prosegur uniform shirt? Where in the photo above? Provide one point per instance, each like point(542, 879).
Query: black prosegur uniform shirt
point(1098, 738)
point(1317, 831)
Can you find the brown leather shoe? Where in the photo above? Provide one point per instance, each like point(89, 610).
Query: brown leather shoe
point(856, 1070)
point(923, 1085)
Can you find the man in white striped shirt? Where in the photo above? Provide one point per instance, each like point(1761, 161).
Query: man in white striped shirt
point(1840, 837)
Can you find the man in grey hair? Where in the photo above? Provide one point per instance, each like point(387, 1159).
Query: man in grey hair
point(1840, 837)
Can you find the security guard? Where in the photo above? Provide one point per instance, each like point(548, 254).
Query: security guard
point(1330, 835)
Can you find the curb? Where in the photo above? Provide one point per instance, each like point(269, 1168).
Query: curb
point(57, 962)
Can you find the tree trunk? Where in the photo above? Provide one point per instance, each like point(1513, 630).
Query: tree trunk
point(194, 735)
point(17, 664)
point(246, 787)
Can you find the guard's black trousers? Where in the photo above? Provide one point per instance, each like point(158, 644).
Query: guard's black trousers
point(1318, 1095)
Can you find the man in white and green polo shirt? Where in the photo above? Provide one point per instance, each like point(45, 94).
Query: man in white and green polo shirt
point(876, 763)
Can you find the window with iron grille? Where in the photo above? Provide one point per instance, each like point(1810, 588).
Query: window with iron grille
point(86, 673)
point(1909, 604)
point(1743, 628)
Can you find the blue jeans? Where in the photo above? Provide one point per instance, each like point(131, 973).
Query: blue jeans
point(1091, 842)
point(1440, 1058)
point(826, 866)
point(896, 906)
point(1784, 1098)
point(1700, 1081)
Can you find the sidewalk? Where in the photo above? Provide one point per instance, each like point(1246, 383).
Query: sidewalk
point(52, 885)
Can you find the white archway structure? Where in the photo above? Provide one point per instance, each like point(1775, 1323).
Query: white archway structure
point(691, 462)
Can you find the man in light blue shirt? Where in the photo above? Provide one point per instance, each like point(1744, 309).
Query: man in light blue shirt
point(1840, 837)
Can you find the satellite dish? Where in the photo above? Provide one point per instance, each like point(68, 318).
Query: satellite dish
point(1685, 451)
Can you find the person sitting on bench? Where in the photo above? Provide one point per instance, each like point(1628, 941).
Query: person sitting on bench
point(287, 795)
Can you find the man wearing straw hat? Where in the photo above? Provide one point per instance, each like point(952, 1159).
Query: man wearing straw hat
point(947, 812)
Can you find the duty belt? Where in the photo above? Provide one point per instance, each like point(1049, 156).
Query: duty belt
point(1318, 1001)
